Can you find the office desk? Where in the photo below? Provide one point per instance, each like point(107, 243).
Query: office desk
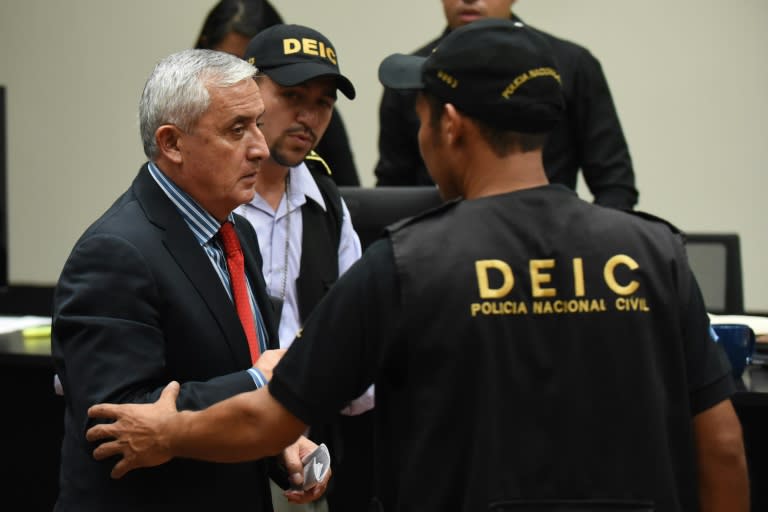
point(32, 424)
point(32, 427)
point(751, 404)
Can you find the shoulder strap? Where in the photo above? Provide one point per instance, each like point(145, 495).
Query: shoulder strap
point(317, 160)
point(322, 175)
point(653, 218)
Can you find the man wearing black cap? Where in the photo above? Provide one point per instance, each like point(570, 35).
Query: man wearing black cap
point(229, 27)
point(531, 351)
point(590, 138)
point(304, 229)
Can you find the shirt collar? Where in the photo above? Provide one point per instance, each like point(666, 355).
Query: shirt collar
point(304, 185)
point(203, 225)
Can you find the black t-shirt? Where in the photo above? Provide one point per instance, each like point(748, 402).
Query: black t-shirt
point(525, 395)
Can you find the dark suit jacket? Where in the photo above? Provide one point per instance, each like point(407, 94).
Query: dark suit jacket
point(138, 304)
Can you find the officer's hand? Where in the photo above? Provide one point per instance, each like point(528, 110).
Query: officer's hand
point(138, 433)
point(268, 360)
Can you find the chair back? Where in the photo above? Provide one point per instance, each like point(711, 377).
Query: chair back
point(374, 208)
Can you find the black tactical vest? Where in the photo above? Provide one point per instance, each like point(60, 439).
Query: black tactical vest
point(320, 239)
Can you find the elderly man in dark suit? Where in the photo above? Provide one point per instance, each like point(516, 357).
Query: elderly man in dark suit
point(147, 294)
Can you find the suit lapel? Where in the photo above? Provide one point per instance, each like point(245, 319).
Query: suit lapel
point(191, 258)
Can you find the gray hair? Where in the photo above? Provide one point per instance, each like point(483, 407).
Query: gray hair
point(177, 90)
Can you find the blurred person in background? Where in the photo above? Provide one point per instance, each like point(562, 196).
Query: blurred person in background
point(229, 26)
point(589, 138)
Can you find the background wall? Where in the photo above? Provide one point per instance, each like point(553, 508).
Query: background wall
point(688, 78)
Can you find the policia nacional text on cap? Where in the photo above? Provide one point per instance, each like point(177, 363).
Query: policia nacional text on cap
point(513, 84)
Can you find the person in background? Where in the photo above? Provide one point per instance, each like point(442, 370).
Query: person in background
point(531, 350)
point(229, 26)
point(589, 137)
point(148, 294)
point(303, 225)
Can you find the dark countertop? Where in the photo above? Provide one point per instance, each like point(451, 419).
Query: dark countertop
point(35, 351)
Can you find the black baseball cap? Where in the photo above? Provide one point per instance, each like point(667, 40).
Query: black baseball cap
point(292, 54)
point(497, 71)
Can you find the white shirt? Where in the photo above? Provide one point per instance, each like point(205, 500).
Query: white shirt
point(281, 269)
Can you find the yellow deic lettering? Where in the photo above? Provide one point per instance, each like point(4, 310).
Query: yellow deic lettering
point(308, 46)
point(538, 278)
point(508, 280)
point(542, 276)
point(578, 277)
point(291, 45)
point(610, 277)
point(330, 54)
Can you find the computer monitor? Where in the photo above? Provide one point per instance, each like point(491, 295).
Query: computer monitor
point(15, 299)
point(372, 209)
point(715, 259)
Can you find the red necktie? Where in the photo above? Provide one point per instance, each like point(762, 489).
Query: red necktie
point(239, 286)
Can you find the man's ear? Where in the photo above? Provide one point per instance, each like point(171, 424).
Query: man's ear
point(452, 124)
point(168, 138)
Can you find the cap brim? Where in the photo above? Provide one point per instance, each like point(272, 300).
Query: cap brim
point(399, 71)
point(295, 74)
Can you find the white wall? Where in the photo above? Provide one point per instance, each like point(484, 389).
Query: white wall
point(688, 79)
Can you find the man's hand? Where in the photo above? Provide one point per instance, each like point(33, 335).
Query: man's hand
point(268, 360)
point(136, 433)
point(291, 458)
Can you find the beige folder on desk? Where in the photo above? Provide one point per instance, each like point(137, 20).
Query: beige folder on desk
point(20, 323)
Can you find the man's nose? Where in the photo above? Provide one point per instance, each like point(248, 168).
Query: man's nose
point(308, 116)
point(257, 147)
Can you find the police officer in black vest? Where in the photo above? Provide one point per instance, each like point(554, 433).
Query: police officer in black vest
point(305, 232)
point(531, 351)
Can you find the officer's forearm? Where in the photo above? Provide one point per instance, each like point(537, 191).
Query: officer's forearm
point(245, 427)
